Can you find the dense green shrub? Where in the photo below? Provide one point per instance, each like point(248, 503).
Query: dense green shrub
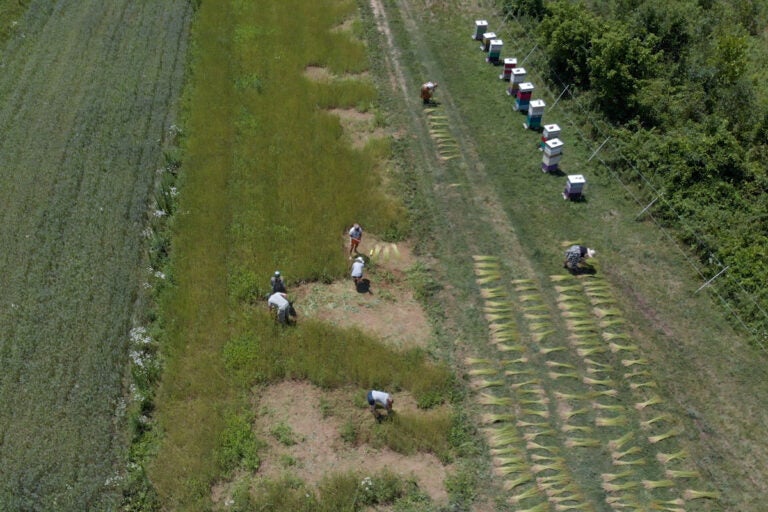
point(680, 81)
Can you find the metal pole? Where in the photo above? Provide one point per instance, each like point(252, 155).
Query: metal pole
point(646, 208)
point(504, 22)
point(529, 53)
point(558, 98)
point(716, 276)
point(598, 149)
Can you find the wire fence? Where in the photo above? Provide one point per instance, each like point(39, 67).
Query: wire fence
point(608, 145)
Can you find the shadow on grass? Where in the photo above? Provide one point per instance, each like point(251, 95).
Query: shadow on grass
point(584, 270)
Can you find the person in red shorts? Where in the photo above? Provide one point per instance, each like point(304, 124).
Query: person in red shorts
point(355, 235)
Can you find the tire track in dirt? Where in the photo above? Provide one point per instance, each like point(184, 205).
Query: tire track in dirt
point(474, 189)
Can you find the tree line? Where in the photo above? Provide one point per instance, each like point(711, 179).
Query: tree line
point(681, 84)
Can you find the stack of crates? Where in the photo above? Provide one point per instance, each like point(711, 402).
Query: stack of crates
point(574, 187)
point(518, 77)
point(510, 63)
point(481, 27)
point(535, 113)
point(494, 51)
point(487, 38)
point(553, 152)
point(551, 131)
point(523, 97)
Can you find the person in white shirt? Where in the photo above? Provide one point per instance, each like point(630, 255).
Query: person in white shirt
point(379, 399)
point(427, 90)
point(355, 235)
point(280, 302)
point(357, 270)
point(575, 255)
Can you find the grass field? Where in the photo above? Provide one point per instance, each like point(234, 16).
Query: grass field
point(268, 183)
point(11, 13)
point(495, 191)
point(87, 93)
point(622, 389)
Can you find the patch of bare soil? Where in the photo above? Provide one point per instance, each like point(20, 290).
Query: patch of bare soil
point(323, 74)
point(312, 419)
point(387, 310)
point(345, 26)
point(320, 448)
point(359, 127)
point(318, 74)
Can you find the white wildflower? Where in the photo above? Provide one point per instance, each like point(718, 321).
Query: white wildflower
point(367, 483)
point(139, 335)
point(159, 213)
point(137, 358)
point(112, 480)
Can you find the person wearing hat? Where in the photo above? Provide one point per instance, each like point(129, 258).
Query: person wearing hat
point(379, 399)
point(575, 255)
point(357, 270)
point(355, 235)
point(427, 90)
point(278, 286)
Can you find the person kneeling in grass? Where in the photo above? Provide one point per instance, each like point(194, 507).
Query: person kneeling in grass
point(379, 399)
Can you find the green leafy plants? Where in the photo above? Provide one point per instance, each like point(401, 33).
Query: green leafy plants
point(238, 444)
point(284, 434)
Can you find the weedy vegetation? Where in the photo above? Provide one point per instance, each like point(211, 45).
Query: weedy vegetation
point(268, 181)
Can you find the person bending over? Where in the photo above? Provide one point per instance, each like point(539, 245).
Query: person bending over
point(379, 399)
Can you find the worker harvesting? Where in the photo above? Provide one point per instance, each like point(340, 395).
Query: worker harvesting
point(427, 90)
point(279, 301)
point(575, 255)
point(357, 270)
point(277, 284)
point(378, 399)
point(355, 236)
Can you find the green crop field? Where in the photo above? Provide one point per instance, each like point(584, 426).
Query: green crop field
point(87, 91)
point(147, 193)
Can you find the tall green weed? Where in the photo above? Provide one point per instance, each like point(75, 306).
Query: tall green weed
point(330, 357)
